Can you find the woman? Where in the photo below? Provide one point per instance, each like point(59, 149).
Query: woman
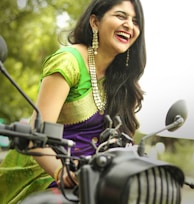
point(97, 74)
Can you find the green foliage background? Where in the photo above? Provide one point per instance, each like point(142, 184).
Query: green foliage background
point(30, 30)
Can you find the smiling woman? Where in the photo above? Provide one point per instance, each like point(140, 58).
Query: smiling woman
point(121, 31)
point(96, 75)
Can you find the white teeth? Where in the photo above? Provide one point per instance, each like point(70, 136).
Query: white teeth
point(123, 34)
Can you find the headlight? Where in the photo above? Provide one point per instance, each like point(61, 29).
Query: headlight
point(130, 179)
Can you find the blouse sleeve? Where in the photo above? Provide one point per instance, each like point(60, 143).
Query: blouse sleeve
point(64, 63)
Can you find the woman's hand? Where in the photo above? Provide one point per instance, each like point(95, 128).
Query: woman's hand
point(68, 182)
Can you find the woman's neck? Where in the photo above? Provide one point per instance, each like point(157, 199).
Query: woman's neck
point(102, 61)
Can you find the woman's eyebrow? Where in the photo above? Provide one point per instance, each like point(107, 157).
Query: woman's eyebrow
point(124, 13)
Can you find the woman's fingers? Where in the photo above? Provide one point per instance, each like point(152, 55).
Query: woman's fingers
point(68, 181)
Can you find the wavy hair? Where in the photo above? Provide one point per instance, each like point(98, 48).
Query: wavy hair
point(124, 94)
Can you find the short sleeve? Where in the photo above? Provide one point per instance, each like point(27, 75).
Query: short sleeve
point(64, 63)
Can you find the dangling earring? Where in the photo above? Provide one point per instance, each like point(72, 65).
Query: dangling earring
point(127, 59)
point(95, 41)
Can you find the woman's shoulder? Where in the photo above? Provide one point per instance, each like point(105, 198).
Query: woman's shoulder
point(79, 51)
point(82, 49)
point(69, 53)
point(69, 61)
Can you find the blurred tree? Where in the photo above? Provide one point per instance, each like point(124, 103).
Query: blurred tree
point(30, 29)
point(181, 155)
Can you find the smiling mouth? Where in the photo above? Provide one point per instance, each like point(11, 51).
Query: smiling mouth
point(123, 35)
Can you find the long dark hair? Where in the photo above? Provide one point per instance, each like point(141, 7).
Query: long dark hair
point(124, 94)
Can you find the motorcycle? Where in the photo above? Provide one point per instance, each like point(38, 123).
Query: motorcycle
point(119, 173)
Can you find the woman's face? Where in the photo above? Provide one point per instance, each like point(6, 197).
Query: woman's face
point(118, 29)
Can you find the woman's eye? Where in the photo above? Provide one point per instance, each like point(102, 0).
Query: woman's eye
point(135, 22)
point(121, 17)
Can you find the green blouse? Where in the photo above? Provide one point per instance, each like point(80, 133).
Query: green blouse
point(69, 63)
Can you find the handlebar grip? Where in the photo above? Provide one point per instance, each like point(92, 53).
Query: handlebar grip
point(17, 127)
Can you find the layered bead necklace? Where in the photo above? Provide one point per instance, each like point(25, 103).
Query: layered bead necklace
point(99, 101)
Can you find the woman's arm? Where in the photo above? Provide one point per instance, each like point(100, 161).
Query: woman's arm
point(53, 93)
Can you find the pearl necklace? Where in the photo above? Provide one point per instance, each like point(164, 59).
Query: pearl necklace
point(97, 99)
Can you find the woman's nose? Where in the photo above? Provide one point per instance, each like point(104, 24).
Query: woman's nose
point(129, 24)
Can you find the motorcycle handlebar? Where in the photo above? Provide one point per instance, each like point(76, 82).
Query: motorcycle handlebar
point(49, 134)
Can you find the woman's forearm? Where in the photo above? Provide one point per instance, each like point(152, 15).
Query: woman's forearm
point(48, 163)
point(53, 166)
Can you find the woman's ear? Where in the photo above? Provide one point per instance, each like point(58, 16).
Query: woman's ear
point(94, 22)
